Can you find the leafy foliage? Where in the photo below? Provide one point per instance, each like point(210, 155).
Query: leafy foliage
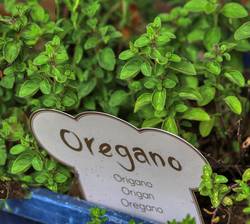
point(216, 187)
point(187, 220)
point(98, 216)
point(26, 155)
point(186, 62)
point(51, 64)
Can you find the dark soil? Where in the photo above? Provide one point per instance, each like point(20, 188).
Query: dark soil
point(12, 190)
point(232, 215)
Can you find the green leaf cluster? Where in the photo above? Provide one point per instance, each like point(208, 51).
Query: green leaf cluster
point(25, 161)
point(185, 69)
point(66, 63)
point(221, 193)
point(98, 216)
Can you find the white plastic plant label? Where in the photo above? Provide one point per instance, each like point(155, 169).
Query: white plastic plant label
point(144, 172)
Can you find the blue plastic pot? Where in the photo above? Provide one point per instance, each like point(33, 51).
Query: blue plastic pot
point(50, 208)
point(246, 60)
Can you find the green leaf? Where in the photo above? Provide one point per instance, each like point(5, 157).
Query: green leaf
point(37, 13)
point(227, 201)
point(91, 9)
point(196, 5)
point(60, 178)
point(196, 114)
point(207, 93)
point(157, 22)
point(56, 41)
point(8, 81)
point(246, 211)
point(212, 37)
point(190, 94)
point(146, 69)
point(69, 99)
point(58, 75)
point(143, 100)
point(90, 104)
point(195, 35)
point(152, 122)
point(164, 37)
point(170, 125)
point(118, 98)
point(190, 81)
point(125, 55)
point(241, 196)
point(49, 100)
point(135, 86)
point(234, 104)
point(61, 55)
point(10, 70)
point(211, 7)
point(11, 50)
point(22, 162)
point(85, 88)
point(158, 57)
point(175, 58)
point(169, 83)
point(78, 53)
point(243, 32)
point(234, 10)
point(50, 165)
point(207, 170)
point(215, 199)
point(142, 41)
point(159, 99)
point(37, 163)
point(29, 88)
point(106, 59)
point(41, 59)
point(205, 127)
point(3, 157)
point(246, 175)
point(45, 86)
point(150, 83)
point(31, 33)
point(41, 178)
point(17, 149)
point(181, 108)
point(220, 179)
point(130, 69)
point(91, 43)
point(236, 77)
point(213, 67)
point(184, 67)
point(243, 46)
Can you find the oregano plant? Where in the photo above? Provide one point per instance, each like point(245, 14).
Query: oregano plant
point(39, 71)
point(184, 70)
point(99, 216)
point(222, 194)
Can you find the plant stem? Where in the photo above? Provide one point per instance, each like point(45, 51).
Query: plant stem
point(57, 9)
point(76, 5)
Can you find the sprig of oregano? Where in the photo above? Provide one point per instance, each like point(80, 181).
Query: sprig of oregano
point(222, 194)
point(99, 216)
